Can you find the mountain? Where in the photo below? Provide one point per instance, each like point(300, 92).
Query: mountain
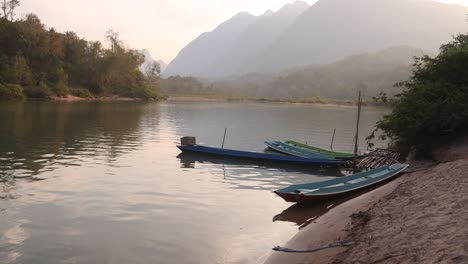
point(333, 29)
point(209, 46)
point(255, 39)
point(371, 73)
point(149, 60)
point(324, 33)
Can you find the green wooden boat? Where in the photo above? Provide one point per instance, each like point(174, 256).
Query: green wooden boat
point(332, 188)
point(319, 150)
point(296, 151)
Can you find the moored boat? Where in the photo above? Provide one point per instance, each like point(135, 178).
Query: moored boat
point(256, 155)
point(332, 188)
point(331, 153)
point(296, 151)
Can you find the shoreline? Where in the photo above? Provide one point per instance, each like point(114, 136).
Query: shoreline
point(422, 214)
point(329, 228)
point(327, 102)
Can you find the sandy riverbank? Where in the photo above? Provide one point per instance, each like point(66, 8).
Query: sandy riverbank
point(422, 217)
point(72, 98)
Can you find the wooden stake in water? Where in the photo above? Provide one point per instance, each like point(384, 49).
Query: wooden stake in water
point(357, 126)
point(224, 137)
point(333, 139)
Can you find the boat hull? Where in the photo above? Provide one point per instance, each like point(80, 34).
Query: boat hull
point(337, 155)
point(332, 189)
point(256, 155)
point(295, 151)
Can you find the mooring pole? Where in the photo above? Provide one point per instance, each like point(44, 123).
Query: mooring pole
point(357, 126)
point(224, 137)
point(333, 139)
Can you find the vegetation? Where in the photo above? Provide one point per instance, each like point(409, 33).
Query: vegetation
point(177, 85)
point(433, 106)
point(39, 63)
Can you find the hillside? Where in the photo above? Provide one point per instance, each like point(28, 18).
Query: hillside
point(324, 33)
point(209, 47)
point(256, 38)
point(371, 73)
point(333, 29)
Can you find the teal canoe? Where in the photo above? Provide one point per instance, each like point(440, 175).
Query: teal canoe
point(319, 150)
point(332, 188)
point(295, 151)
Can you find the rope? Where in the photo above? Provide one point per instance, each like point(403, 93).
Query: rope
point(290, 250)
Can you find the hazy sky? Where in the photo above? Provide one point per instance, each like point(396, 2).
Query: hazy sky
point(162, 26)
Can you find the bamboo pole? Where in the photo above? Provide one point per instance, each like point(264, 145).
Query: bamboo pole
point(357, 126)
point(224, 137)
point(333, 139)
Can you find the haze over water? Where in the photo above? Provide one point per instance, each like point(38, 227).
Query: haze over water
point(99, 182)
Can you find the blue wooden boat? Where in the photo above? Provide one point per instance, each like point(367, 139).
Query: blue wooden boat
point(256, 155)
point(296, 151)
point(332, 188)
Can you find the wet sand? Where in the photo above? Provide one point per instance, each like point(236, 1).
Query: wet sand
point(329, 228)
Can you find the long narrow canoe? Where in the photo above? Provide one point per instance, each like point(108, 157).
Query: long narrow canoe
point(332, 188)
point(319, 150)
point(256, 155)
point(295, 151)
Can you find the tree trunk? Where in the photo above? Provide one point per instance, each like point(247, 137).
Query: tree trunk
point(4, 7)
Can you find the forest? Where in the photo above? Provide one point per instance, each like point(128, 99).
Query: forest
point(39, 62)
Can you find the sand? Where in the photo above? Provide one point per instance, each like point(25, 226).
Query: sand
point(422, 217)
point(328, 228)
point(425, 220)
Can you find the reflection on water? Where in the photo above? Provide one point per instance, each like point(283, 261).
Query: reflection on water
point(37, 135)
point(100, 182)
point(303, 214)
point(260, 175)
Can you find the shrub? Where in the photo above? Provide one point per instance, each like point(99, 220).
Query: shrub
point(61, 89)
point(11, 92)
point(81, 92)
point(39, 91)
point(433, 107)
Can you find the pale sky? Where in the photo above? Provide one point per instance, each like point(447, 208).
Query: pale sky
point(163, 27)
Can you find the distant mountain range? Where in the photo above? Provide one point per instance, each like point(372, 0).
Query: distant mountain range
point(299, 35)
point(149, 60)
point(370, 73)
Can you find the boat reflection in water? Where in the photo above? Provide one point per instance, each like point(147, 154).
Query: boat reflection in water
point(188, 160)
point(259, 175)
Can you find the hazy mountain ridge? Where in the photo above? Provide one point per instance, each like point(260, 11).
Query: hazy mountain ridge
point(333, 29)
point(208, 47)
point(324, 33)
point(255, 39)
point(230, 46)
point(371, 73)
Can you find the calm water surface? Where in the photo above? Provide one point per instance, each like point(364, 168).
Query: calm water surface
point(102, 182)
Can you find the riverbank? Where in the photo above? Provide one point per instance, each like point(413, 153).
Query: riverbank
point(317, 101)
point(72, 98)
point(419, 218)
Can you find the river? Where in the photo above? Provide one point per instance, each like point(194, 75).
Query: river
point(102, 182)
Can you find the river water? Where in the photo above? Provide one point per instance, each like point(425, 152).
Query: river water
point(102, 182)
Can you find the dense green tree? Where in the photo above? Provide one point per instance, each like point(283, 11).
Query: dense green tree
point(433, 106)
point(46, 62)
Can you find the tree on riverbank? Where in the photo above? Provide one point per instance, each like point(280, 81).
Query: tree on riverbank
point(42, 62)
point(433, 107)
